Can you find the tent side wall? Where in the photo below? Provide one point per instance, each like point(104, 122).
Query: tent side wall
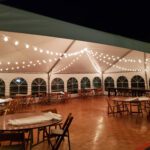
point(8, 77)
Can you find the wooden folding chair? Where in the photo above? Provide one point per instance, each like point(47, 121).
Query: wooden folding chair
point(59, 134)
point(43, 130)
point(136, 107)
point(115, 108)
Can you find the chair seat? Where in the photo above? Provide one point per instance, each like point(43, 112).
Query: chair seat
point(56, 132)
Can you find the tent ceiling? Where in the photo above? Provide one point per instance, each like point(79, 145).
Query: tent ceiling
point(37, 54)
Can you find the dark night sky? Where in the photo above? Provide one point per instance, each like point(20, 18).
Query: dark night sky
point(119, 17)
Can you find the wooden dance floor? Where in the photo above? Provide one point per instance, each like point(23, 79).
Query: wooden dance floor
point(93, 129)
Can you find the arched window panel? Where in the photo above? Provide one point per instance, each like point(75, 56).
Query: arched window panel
point(2, 88)
point(38, 86)
point(72, 85)
point(122, 82)
point(97, 82)
point(109, 83)
point(18, 86)
point(137, 82)
point(85, 83)
point(57, 85)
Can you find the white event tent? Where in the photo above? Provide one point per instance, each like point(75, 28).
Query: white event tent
point(34, 46)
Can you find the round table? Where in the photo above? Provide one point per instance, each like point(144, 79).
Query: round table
point(4, 126)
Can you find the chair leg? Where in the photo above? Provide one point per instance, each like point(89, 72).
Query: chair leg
point(110, 110)
point(45, 132)
point(38, 136)
point(43, 135)
point(69, 141)
point(31, 139)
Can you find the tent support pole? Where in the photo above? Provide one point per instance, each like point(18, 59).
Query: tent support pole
point(67, 49)
point(50, 70)
point(103, 82)
point(48, 87)
point(146, 81)
point(121, 72)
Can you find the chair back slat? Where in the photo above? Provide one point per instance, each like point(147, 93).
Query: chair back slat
point(66, 121)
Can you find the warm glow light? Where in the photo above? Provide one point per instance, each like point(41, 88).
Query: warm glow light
point(140, 61)
point(5, 39)
point(44, 61)
point(27, 45)
point(16, 43)
point(41, 50)
point(35, 48)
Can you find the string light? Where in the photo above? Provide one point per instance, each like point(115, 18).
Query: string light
point(28, 64)
point(68, 66)
point(5, 38)
point(27, 46)
point(37, 49)
point(16, 43)
point(41, 50)
point(105, 58)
